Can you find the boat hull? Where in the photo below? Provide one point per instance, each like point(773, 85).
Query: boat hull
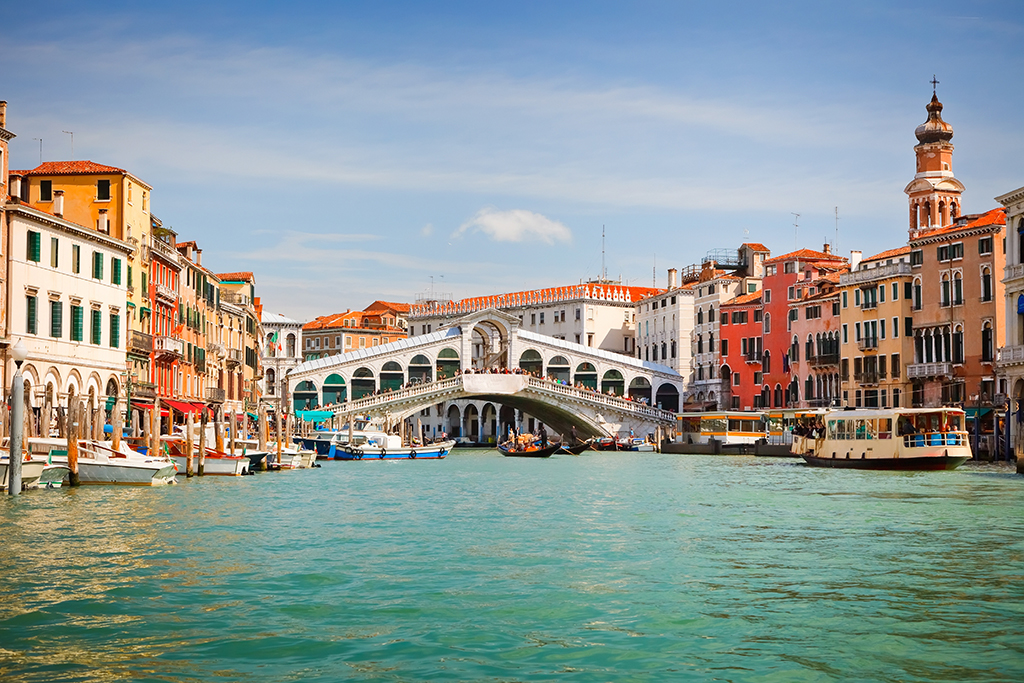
point(31, 471)
point(535, 453)
point(212, 465)
point(577, 449)
point(132, 474)
point(428, 452)
point(919, 464)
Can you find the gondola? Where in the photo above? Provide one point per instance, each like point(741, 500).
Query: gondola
point(577, 449)
point(530, 451)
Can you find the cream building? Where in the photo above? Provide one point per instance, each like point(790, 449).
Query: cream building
point(1011, 356)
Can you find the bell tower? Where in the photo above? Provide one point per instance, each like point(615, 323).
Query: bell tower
point(934, 194)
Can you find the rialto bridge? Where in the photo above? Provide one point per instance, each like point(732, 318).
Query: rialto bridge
point(465, 380)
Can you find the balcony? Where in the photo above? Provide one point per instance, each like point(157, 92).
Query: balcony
point(866, 377)
point(1010, 355)
point(165, 250)
point(143, 390)
point(234, 357)
point(823, 360)
point(214, 395)
point(168, 346)
point(752, 357)
point(140, 343)
point(215, 348)
point(874, 274)
point(234, 298)
point(1013, 272)
point(867, 343)
point(166, 293)
point(923, 370)
point(868, 305)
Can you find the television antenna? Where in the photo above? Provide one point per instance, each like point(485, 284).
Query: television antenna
point(796, 230)
point(72, 143)
point(40, 149)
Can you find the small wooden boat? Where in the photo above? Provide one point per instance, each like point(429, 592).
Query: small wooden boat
point(577, 449)
point(531, 451)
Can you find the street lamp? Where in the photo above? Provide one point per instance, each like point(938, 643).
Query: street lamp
point(19, 353)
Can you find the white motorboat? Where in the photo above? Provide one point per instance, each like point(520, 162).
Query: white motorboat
point(99, 463)
point(214, 463)
point(36, 473)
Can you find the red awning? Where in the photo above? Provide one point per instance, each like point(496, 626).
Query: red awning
point(184, 406)
point(149, 407)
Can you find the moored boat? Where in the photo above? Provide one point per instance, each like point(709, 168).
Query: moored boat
point(576, 449)
point(390, 447)
point(214, 462)
point(36, 473)
point(512, 450)
point(100, 463)
point(888, 439)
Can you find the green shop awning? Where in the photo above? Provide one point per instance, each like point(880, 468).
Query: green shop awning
point(971, 412)
point(314, 415)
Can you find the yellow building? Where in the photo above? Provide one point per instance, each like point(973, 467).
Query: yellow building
point(241, 333)
point(877, 337)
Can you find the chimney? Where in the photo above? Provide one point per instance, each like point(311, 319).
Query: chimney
point(16, 187)
point(827, 248)
point(103, 224)
point(58, 203)
point(672, 273)
point(3, 114)
point(855, 257)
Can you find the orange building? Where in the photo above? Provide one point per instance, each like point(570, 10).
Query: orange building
point(380, 323)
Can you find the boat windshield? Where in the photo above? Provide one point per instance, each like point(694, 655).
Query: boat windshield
point(713, 425)
point(930, 422)
point(859, 428)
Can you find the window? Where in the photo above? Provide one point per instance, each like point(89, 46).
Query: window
point(985, 245)
point(725, 347)
point(767, 323)
point(97, 265)
point(46, 190)
point(881, 294)
point(54, 251)
point(895, 328)
point(844, 369)
point(856, 331)
point(958, 289)
point(56, 319)
point(986, 284)
point(895, 365)
point(895, 291)
point(846, 336)
point(789, 267)
point(115, 270)
point(34, 241)
point(735, 379)
point(916, 257)
point(881, 328)
point(956, 251)
point(945, 291)
point(767, 295)
point(103, 190)
point(76, 258)
point(96, 330)
point(577, 314)
point(115, 330)
point(987, 352)
point(30, 314)
point(533, 318)
point(542, 317)
point(942, 252)
point(77, 323)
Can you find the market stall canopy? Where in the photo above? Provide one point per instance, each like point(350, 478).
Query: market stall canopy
point(314, 415)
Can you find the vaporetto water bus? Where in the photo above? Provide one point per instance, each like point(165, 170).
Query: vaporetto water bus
point(888, 439)
point(719, 432)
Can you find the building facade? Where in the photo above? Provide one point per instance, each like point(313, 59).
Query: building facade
point(664, 324)
point(1011, 355)
point(741, 352)
point(282, 351)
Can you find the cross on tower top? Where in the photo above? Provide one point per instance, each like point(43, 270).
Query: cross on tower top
point(934, 83)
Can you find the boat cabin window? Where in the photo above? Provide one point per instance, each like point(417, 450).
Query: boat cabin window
point(713, 425)
point(690, 425)
point(739, 425)
point(860, 429)
point(775, 424)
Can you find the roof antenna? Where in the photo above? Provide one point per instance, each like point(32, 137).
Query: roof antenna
point(72, 143)
point(603, 270)
point(835, 247)
point(796, 230)
point(40, 150)
point(654, 272)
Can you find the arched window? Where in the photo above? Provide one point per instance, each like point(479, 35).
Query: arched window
point(664, 351)
point(794, 350)
point(952, 211)
point(777, 398)
point(767, 323)
point(673, 349)
point(958, 344)
point(1020, 241)
point(917, 294)
point(700, 343)
point(271, 344)
point(986, 284)
point(809, 347)
point(290, 345)
point(987, 351)
point(958, 289)
point(700, 316)
point(944, 295)
point(711, 343)
point(270, 381)
point(809, 387)
point(942, 213)
point(711, 314)
point(766, 362)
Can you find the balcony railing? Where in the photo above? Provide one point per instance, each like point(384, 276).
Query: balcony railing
point(215, 348)
point(234, 356)
point(867, 343)
point(143, 390)
point(165, 249)
point(165, 292)
point(214, 394)
point(752, 357)
point(234, 298)
point(867, 377)
point(870, 274)
point(1011, 355)
point(1014, 271)
point(868, 305)
point(168, 346)
point(824, 359)
point(140, 342)
point(921, 370)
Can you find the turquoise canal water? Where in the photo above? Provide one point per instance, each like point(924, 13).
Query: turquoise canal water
point(606, 567)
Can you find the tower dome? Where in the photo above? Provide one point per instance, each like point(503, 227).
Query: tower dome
point(934, 129)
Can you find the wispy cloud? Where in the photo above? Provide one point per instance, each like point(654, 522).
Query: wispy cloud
point(517, 225)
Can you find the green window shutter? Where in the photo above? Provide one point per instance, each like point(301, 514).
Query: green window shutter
point(131, 283)
point(30, 314)
point(34, 240)
point(76, 258)
point(97, 265)
point(115, 270)
point(96, 333)
point(56, 319)
point(54, 252)
point(77, 323)
point(145, 284)
point(115, 330)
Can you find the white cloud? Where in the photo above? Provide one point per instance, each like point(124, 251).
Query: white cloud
point(517, 225)
point(427, 230)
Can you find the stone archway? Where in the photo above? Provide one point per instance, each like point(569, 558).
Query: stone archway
point(640, 389)
point(667, 397)
point(559, 369)
point(448, 363)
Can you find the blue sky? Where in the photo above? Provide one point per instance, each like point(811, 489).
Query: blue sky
point(347, 152)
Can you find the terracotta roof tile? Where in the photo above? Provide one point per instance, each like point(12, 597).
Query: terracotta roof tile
point(993, 217)
point(71, 168)
point(806, 255)
point(891, 253)
point(244, 276)
point(756, 246)
point(382, 305)
point(608, 292)
point(744, 299)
